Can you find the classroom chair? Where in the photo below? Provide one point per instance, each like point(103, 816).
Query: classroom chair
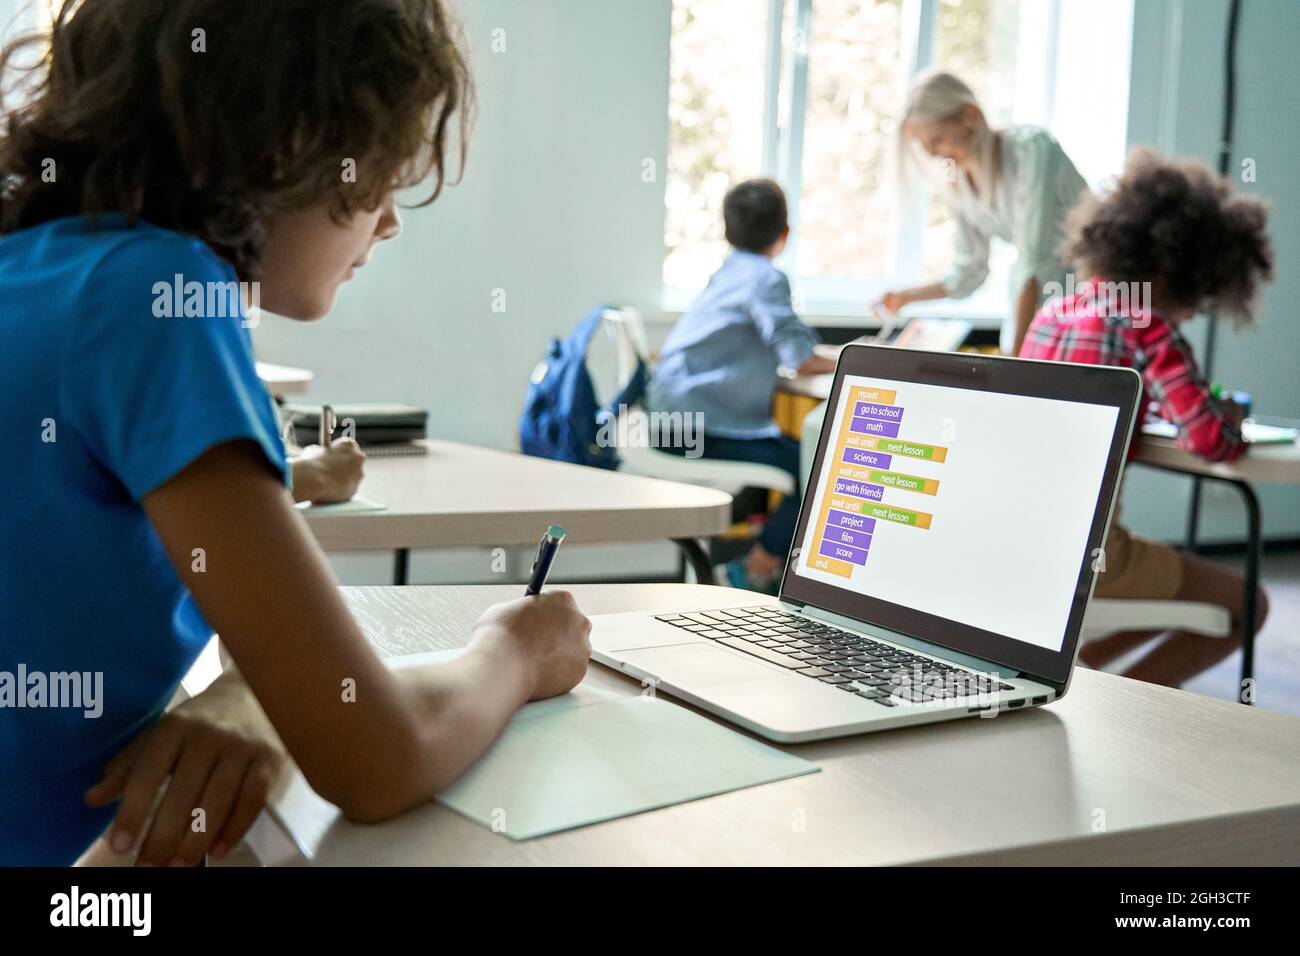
point(626, 331)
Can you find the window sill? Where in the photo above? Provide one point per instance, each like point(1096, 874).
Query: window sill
point(983, 312)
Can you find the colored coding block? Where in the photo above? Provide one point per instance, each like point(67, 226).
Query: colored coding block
point(820, 562)
point(915, 519)
point(867, 459)
point(870, 426)
point(885, 396)
point(862, 441)
point(858, 539)
point(886, 413)
point(893, 479)
point(852, 505)
point(842, 519)
point(863, 458)
point(859, 489)
point(842, 552)
point(853, 474)
point(912, 449)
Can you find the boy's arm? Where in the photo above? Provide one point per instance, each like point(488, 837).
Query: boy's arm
point(817, 365)
point(1206, 426)
point(782, 331)
point(371, 741)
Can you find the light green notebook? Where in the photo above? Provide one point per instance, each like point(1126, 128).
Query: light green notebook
point(592, 755)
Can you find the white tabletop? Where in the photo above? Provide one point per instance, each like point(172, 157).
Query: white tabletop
point(1116, 772)
point(284, 379)
point(465, 496)
point(1260, 463)
point(809, 386)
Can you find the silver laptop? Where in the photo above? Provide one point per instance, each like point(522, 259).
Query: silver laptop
point(944, 555)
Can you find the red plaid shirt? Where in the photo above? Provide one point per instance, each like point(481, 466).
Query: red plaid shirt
point(1103, 325)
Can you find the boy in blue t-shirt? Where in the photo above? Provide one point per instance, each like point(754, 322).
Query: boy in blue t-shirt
point(721, 359)
point(144, 489)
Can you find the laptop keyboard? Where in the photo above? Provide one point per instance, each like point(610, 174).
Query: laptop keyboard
point(887, 675)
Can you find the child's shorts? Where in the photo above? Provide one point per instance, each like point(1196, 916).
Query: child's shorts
point(1138, 568)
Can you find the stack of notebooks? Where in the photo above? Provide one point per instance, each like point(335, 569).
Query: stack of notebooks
point(380, 429)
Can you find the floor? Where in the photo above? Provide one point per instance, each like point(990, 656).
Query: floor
point(1277, 646)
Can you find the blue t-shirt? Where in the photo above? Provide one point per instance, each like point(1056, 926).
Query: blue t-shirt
point(104, 396)
point(721, 357)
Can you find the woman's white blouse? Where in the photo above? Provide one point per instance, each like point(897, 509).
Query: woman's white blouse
point(1037, 185)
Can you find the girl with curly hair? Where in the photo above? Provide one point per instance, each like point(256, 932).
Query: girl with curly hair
point(1168, 240)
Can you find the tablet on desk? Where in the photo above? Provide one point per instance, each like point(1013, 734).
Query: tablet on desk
point(930, 335)
point(1253, 432)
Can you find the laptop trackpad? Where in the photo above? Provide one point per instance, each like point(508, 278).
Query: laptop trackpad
point(698, 665)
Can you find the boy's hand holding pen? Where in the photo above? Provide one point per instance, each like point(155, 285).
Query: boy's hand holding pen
point(545, 632)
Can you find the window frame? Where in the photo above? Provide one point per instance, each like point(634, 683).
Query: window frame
point(839, 300)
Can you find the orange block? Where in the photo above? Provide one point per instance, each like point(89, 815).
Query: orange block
point(881, 396)
point(820, 562)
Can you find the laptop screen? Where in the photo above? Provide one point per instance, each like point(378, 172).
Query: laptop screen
point(973, 506)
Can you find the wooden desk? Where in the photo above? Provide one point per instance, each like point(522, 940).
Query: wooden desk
point(795, 397)
point(1278, 464)
point(1262, 464)
point(465, 496)
point(284, 379)
point(1119, 772)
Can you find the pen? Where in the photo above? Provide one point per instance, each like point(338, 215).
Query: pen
point(545, 555)
point(326, 426)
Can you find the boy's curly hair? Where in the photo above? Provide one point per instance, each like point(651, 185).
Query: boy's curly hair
point(207, 116)
point(1176, 222)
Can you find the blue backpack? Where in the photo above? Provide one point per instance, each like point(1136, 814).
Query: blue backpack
point(560, 419)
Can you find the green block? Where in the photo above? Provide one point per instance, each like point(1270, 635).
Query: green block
point(906, 448)
point(887, 513)
point(892, 479)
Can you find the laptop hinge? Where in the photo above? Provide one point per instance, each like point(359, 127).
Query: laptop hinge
point(916, 644)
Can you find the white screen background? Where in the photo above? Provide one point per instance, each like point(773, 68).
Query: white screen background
point(1011, 516)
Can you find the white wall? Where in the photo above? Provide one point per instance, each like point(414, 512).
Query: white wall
point(1176, 104)
point(553, 210)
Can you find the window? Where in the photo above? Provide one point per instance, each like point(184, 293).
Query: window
point(808, 92)
point(715, 113)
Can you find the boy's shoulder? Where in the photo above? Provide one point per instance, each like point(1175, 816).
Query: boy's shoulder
point(758, 271)
point(145, 248)
point(90, 242)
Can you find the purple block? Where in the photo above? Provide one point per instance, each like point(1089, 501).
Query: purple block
point(869, 459)
point(842, 519)
point(886, 413)
point(870, 426)
point(859, 489)
point(842, 552)
point(858, 539)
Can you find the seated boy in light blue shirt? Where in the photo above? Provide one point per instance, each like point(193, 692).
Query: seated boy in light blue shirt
point(721, 359)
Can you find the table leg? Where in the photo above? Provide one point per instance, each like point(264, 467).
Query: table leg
point(694, 553)
point(401, 565)
point(1193, 514)
point(1254, 546)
